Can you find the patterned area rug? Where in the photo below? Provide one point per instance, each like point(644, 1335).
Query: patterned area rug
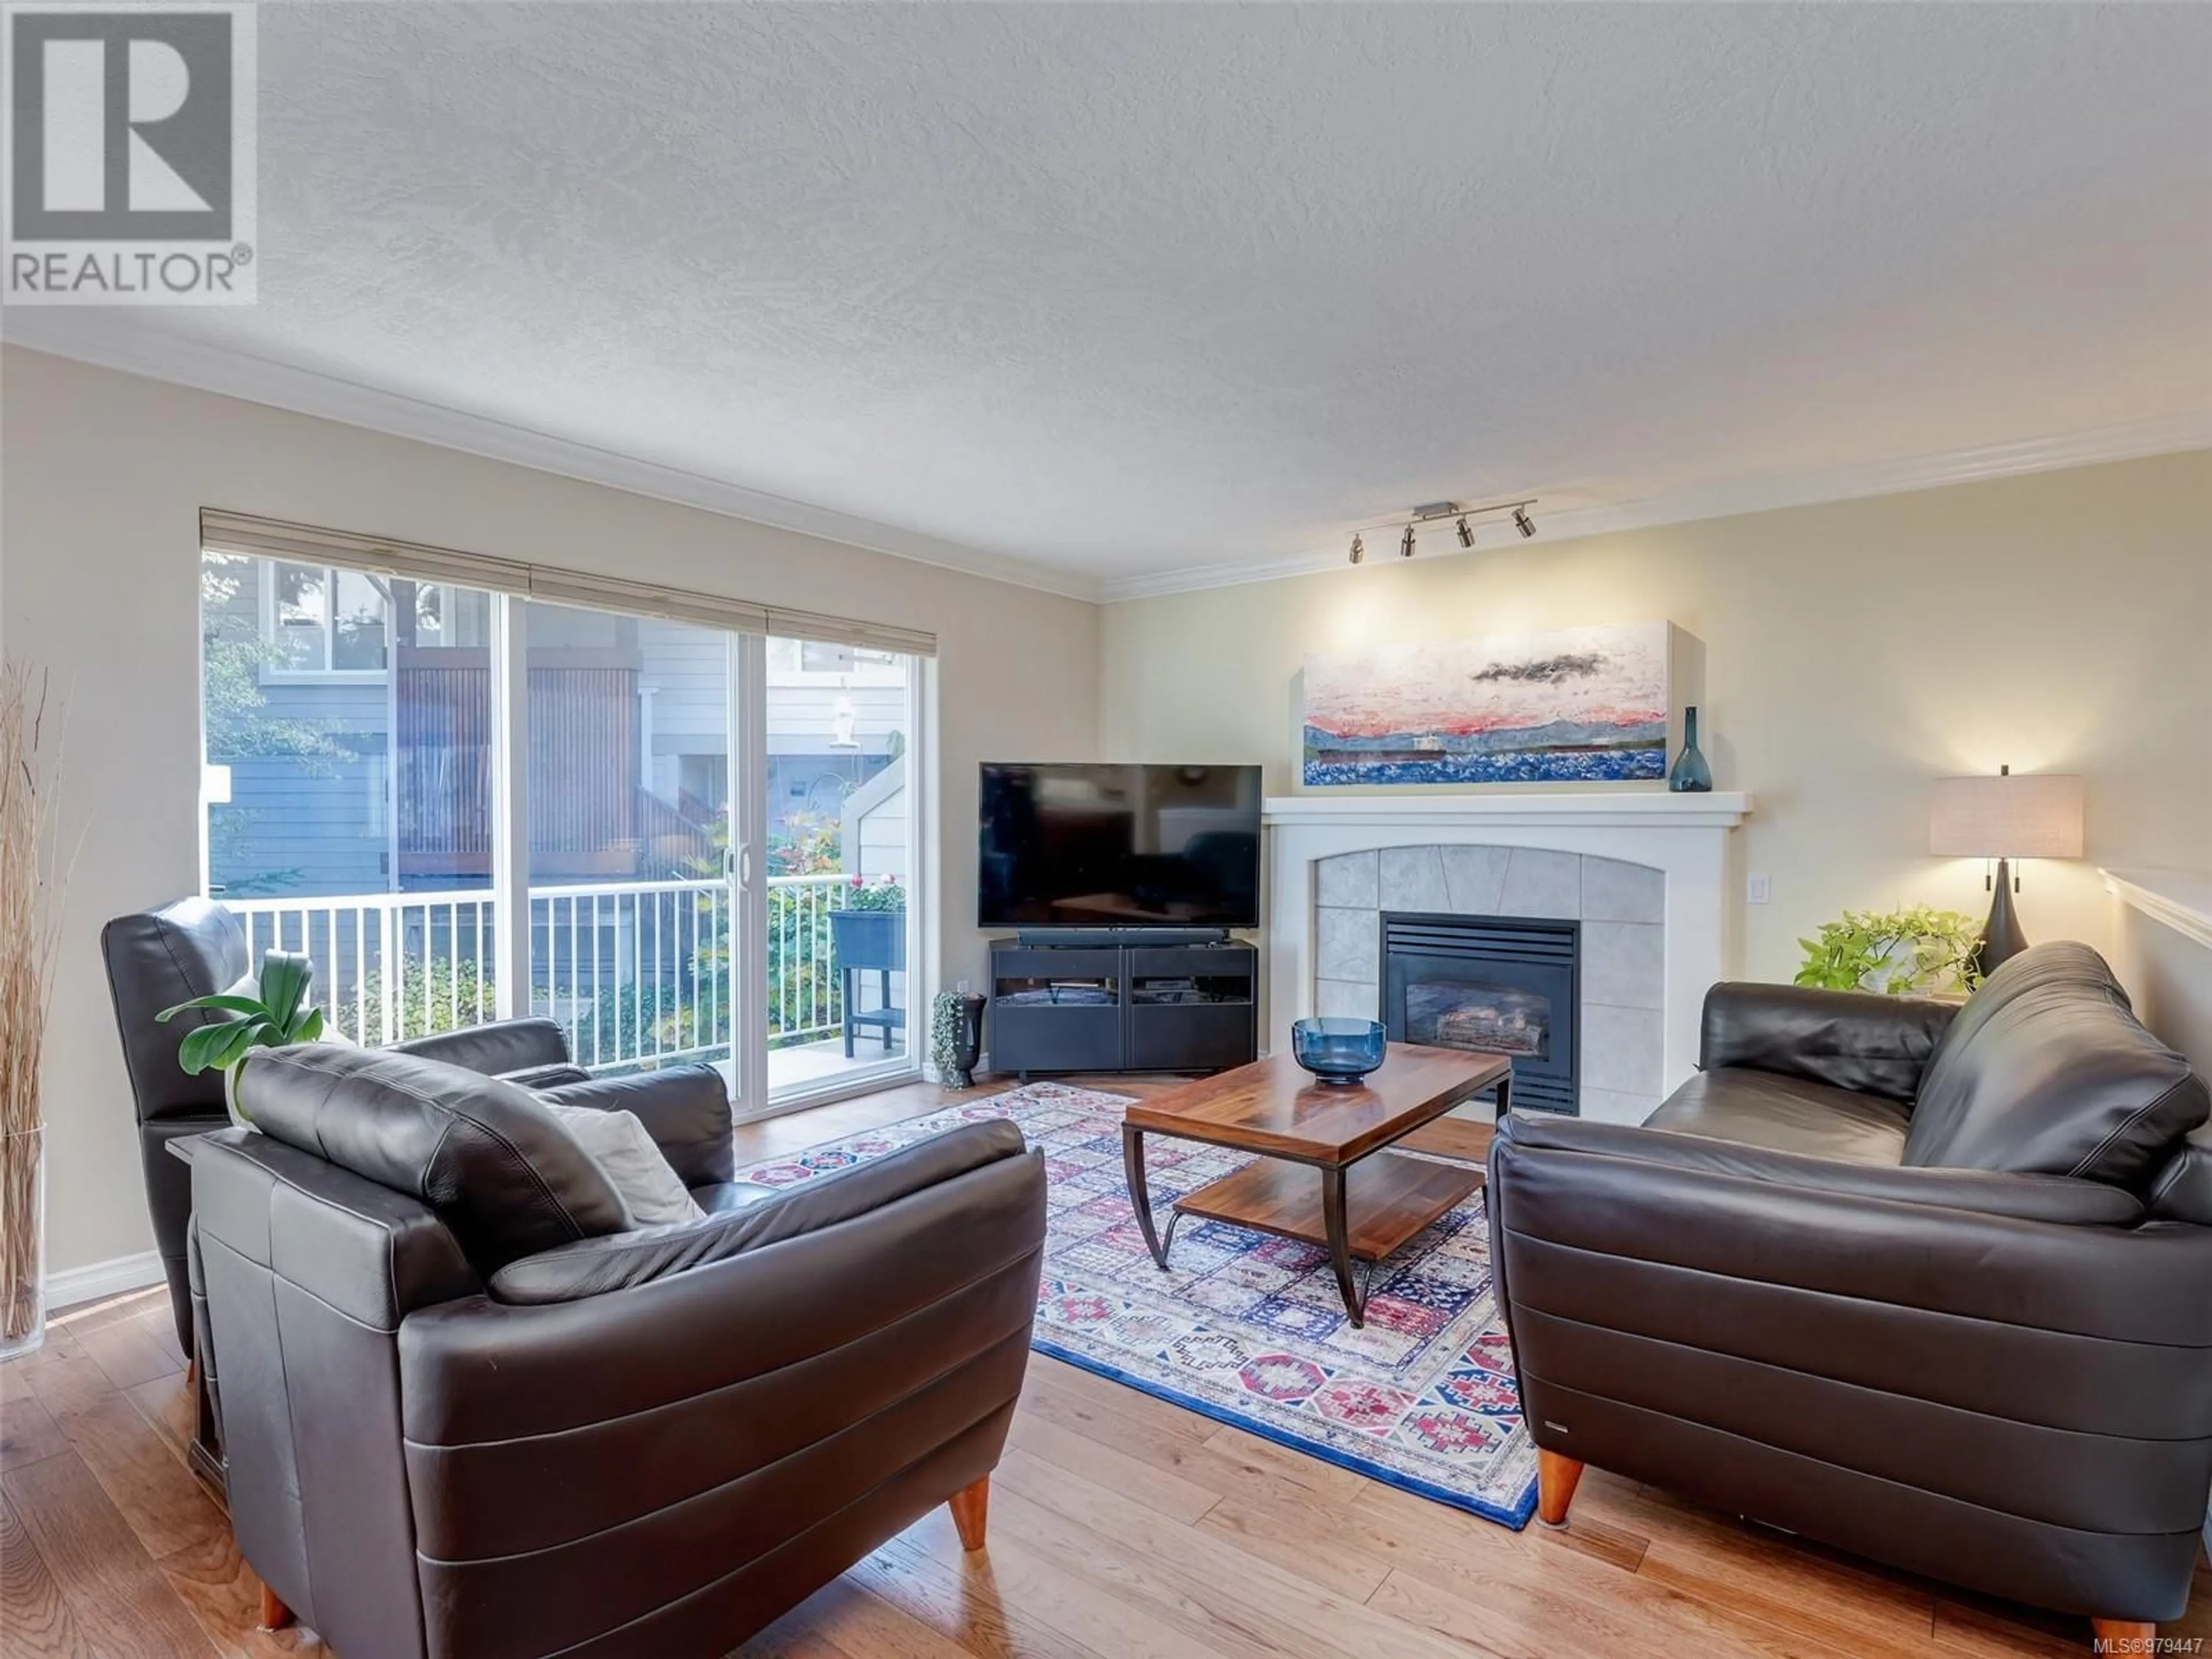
point(1247, 1328)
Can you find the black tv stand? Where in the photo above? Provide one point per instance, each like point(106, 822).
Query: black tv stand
point(1052, 938)
point(1102, 1006)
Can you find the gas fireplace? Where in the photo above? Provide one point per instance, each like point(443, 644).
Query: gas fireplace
point(1504, 985)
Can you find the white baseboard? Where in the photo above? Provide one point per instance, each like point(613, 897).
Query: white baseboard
point(91, 1283)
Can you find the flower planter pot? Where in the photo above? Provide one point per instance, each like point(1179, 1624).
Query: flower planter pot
point(955, 1039)
point(870, 938)
point(869, 941)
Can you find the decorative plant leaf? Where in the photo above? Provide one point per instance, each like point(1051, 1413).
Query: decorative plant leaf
point(279, 1015)
point(217, 1047)
point(284, 976)
point(235, 1005)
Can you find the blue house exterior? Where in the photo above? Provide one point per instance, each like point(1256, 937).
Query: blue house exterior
point(348, 736)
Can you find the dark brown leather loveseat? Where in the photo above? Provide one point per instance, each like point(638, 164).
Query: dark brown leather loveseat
point(1936, 1290)
point(473, 1413)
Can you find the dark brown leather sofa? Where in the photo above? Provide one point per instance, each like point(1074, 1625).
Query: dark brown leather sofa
point(1934, 1289)
point(472, 1413)
point(195, 948)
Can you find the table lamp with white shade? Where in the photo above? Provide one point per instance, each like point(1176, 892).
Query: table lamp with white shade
point(2005, 817)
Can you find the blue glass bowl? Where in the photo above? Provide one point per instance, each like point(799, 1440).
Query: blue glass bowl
point(1341, 1051)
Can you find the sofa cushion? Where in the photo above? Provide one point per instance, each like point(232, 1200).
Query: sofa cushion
point(619, 1145)
point(1785, 1114)
point(685, 1108)
point(503, 1047)
point(1986, 1192)
point(2047, 1072)
point(1854, 1040)
point(486, 1156)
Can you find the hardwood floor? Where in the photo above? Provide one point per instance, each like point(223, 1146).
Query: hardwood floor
point(1120, 1527)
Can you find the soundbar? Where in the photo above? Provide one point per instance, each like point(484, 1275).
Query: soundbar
point(1108, 938)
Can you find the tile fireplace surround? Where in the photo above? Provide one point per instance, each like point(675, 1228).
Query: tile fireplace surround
point(1647, 874)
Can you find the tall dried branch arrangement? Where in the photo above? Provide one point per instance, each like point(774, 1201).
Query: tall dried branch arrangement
point(32, 882)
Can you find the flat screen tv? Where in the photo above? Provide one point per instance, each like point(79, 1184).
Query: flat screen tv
point(1106, 845)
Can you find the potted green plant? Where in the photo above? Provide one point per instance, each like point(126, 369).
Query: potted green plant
point(279, 1016)
point(1920, 951)
point(956, 1034)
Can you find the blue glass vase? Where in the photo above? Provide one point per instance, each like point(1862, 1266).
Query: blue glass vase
point(1690, 775)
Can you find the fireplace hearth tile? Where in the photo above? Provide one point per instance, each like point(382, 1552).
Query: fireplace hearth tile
point(1615, 890)
point(1346, 880)
point(1414, 879)
point(1622, 1049)
point(1348, 944)
point(1624, 964)
point(1474, 878)
point(1542, 884)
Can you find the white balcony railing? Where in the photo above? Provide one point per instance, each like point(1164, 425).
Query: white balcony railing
point(639, 973)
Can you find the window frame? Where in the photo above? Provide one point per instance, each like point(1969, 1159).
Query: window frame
point(272, 638)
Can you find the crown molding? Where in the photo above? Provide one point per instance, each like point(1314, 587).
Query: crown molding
point(99, 338)
point(2182, 899)
point(89, 336)
point(2163, 435)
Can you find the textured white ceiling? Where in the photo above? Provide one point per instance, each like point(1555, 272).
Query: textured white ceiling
point(1116, 289)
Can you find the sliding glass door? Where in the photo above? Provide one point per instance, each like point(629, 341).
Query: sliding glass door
point(345, 785)
point(628, 794)
point(680, 842)
point(840, 899)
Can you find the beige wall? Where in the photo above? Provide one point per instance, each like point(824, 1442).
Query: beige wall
point(2170, 976)
point(1853, 651)
point(102, 477)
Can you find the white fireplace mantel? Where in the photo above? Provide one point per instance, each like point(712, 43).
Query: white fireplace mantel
point(1614, 810)
point(1684, 838)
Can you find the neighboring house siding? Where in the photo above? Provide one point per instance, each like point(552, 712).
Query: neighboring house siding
point(874, 835)
point(802, 718)
point(305, 825)
point(687, 669)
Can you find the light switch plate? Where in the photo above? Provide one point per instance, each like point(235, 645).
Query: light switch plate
point(1757, 890)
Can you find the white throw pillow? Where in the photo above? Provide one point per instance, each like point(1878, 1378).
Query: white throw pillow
point(618, 1144)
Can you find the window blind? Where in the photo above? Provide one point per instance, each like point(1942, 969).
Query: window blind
point(225, 531)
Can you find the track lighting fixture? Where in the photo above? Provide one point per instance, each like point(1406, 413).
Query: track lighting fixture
point(1461, 515)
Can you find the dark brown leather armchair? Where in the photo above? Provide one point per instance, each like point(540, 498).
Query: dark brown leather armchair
point(472, 1411)
point(195, 948)
point(1934, 1289)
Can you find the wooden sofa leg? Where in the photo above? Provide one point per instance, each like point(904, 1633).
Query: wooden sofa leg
point(2122, 1636)
point(970, 1505)
point(1556, 1477)
point(275, 1615)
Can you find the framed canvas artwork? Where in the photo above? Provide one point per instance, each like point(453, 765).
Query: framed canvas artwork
point(1583, 705)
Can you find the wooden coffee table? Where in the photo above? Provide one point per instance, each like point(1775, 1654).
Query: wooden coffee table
point(1322, 1175)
